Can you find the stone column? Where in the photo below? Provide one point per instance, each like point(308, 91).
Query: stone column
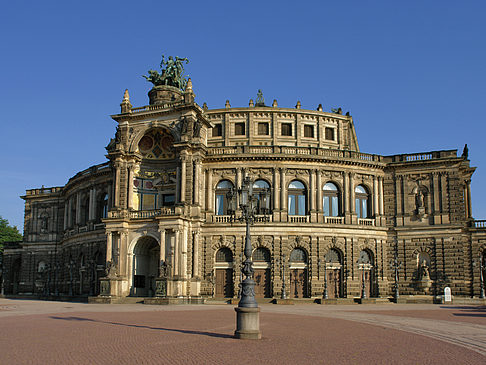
point(122, 252)
point(276, 204)
point(312, 188)
point(196, 188)
point(70, 213)
point(398, 187)
point(78, 208)
point(209, 191)
point(66, 209)
point(352, 207)
point(178, 185)
point(402, 200)
point(116, 185)
point(162, 245)
point(319, 191)
point(109, 246)
point(238, 178)
point(92, 203)
point(375, 196)
point(183, 244)
point(195, 254)
point(176, 252)
point(183, 178)
point(131, 168)
point(382, 209)
point(283, 190)
point(346, 194)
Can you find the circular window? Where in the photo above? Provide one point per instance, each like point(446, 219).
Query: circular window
point(146, 143)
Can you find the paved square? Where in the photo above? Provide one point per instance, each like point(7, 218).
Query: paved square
point(35, 332)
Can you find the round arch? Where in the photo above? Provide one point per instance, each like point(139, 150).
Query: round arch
point(144, 266)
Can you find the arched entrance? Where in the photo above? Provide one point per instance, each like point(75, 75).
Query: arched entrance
point(146, 255)
point(365, 265)
point(298, 273)
point(224, 273)
point(262, 276)
point(334, 273)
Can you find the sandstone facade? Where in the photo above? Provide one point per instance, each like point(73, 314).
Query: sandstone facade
point(157, 219)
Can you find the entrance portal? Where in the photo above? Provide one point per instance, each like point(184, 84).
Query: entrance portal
point(146, 255)
point(298, 273)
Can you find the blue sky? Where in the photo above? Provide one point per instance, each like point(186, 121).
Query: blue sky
point(412, 74)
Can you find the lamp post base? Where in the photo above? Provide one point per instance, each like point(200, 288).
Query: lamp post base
point(248, 323)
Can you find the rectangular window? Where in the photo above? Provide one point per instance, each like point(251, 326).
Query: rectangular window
point(218, 130)
point(309, 131)
point(168, 199)
point(263, 129)
point(286, 129)
point(329, 134)
point(239, 129)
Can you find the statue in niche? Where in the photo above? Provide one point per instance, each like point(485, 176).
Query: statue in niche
point(164, 269)
point(196, 133)
point(44, 222)
point(110, 269)
point(420, 201)
point(424, 270)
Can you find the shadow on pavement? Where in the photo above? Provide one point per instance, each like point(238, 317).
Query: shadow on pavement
point(478, 311)
point(191, 332)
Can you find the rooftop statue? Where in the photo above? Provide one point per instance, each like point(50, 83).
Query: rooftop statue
point(172, 75)
point(260, 101)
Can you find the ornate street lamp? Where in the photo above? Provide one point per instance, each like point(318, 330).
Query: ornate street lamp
point(395, 265)
point(247, 312)
point(282, 263)
point(481, 275)
point(361, 262)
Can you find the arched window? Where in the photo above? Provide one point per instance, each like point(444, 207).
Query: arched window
point(362, 202)
point(331, 200)
point(223, 189)
point(298, 255)
point(224, 255)
point(261, 191)
point(261, 254)
point(297, 198)
point(365, 258)
point(333, 256)
point(104, 206)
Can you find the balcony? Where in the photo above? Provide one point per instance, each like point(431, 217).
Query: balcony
point(480, 223)
point(230, 219)
point(334, 220)
point(299, 218)
point(142, 214)
point(366, 222)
